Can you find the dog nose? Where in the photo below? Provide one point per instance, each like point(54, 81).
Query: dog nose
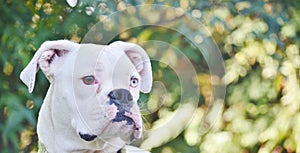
point(122, 99)
point(120, 95)
point(87, 137)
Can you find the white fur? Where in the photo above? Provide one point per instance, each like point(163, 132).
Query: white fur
point(71, 107)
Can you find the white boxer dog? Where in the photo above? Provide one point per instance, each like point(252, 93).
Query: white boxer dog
point(91, 104)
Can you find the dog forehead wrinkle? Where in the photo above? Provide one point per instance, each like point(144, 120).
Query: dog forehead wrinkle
point(123, 71)
point(99, 67)
point(110, 56)
point(89, 59)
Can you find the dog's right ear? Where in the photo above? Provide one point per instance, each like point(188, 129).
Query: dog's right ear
point(49, 58)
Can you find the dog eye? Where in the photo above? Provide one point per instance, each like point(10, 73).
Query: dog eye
point(89, 80)
point(134, 82)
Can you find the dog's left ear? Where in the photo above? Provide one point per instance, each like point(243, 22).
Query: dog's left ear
point(48, 58)
point(141, 61)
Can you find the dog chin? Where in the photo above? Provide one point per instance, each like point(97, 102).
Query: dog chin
point(117, 123)
point(127, 133)
point(122, 123)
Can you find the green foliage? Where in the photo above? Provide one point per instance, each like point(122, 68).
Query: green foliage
point(259, 41)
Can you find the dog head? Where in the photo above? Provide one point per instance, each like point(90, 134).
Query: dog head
point(96, 86)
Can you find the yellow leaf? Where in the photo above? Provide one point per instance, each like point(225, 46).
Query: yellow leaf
point(8, 68)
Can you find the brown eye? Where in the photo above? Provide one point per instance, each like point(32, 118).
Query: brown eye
point(89, 80)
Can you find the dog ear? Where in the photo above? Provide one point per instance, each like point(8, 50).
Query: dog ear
point(49, 58)
point(141, 61)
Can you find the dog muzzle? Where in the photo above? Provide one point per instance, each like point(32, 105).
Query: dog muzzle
point(123, 102)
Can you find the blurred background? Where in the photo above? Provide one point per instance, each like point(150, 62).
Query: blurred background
point(259, 42)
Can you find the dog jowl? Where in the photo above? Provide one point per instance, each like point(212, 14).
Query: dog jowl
point(91, 103)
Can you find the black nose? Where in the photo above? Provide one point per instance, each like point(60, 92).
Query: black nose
point(122, 98)
point(120, 95)
point(87, 137)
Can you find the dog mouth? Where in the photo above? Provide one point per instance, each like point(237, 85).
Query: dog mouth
point(121, 123)
point(122, 119)
point(131, 120)
point(120, 116)
point(123, 114)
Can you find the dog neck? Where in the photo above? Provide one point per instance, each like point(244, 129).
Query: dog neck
point(43, 149)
